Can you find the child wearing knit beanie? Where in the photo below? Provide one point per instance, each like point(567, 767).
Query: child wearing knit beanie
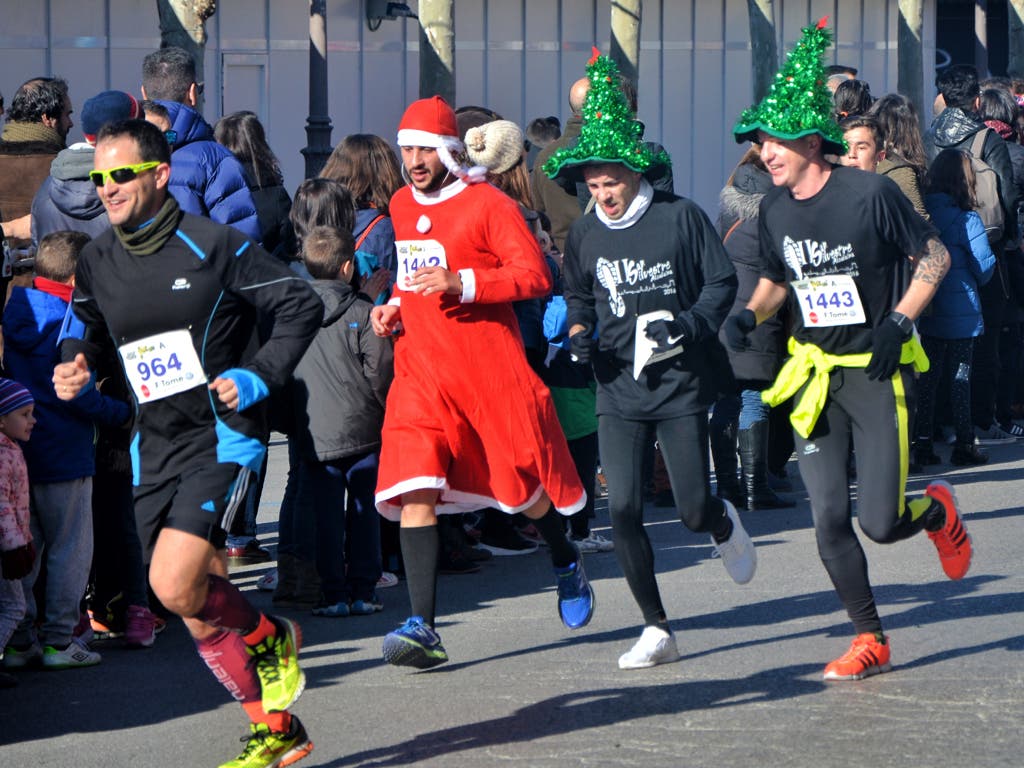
point(17, 553)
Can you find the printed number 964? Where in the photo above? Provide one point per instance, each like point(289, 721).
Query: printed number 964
point(157, 367)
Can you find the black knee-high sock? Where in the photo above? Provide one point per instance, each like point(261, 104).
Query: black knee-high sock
point(419, 552)
point(552, 528)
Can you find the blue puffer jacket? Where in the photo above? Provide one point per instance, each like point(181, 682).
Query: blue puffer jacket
point(206, 179)
point(63, 444)
point(955, 311)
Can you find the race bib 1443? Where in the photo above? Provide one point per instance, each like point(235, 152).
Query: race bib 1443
point(828, 301)
point(162, 365)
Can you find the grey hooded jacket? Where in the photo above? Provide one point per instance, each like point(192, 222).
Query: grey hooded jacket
point(340, 385)
point(67, 199)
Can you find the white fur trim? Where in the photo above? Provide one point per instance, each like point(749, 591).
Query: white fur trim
point(468, 285)
point(468, 175)
point(447, 192)
point(411, 137)
point(453, 502)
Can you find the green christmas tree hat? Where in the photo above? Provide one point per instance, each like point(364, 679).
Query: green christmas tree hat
point(610, 132)
point(798, 103)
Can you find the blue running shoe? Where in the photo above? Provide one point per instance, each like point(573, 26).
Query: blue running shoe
point(575, 597)
point(414, 644)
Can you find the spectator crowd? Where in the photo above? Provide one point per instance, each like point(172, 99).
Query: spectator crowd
point(625, 395)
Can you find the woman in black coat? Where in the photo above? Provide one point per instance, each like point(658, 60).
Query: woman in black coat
point(741, 417)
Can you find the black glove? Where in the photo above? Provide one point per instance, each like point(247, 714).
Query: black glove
point(886, 347)
point(667, 334)
point(738, 328)
point(17, 563)
point(581, 347)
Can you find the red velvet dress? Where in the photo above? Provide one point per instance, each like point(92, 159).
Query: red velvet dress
point(466, 415)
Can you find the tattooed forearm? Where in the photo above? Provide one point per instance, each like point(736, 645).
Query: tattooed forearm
point(932, 262)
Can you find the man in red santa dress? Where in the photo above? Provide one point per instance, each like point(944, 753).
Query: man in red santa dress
point(468, 425)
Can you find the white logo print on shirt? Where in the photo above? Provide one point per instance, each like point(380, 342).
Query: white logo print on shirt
point(627, 276)
point(810, 258)
point(181, 284)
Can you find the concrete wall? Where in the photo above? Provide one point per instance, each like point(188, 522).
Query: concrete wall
point(517, 57)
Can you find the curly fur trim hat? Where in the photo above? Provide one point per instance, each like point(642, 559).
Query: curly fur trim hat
point(497, 145)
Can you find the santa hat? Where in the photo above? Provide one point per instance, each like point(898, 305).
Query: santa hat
point(431, 123)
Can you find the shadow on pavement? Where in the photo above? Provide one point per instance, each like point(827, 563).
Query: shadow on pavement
point(582, 710)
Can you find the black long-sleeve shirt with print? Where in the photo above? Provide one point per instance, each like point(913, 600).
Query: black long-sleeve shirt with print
point(212, 281)
point(670, 259)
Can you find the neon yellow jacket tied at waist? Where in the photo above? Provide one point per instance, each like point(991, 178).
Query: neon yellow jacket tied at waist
point(810, 365)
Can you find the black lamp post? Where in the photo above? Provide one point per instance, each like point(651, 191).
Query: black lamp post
point(318, 124)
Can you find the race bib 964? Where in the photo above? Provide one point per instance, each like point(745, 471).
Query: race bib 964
point(162, 365)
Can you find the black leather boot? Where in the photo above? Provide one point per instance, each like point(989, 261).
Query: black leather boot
point(723, 452)
point(753, 460)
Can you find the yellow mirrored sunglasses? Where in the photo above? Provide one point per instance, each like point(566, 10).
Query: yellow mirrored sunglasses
point(121, 175)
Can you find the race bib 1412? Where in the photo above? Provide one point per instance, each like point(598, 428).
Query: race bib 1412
point(416, 254)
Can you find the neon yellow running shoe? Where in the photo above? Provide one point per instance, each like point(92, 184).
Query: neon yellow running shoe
point(266, 749)
point(276, 659)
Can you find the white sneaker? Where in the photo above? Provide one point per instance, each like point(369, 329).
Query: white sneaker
point(738, 554)
point(387, 579)
point(655, 646)
point(71, 657)
point(594, 542)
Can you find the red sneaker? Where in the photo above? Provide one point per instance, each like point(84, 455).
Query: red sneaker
point(952, 540)
point(866, 657)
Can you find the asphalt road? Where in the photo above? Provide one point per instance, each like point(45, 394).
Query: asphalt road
point(522, 691)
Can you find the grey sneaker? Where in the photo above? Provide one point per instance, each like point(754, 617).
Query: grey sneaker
point(594, 542)
point(994, 435)
point(738, 554)
point(19, 658)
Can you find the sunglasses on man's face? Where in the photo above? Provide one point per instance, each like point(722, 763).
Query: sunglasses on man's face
point(121, 175)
